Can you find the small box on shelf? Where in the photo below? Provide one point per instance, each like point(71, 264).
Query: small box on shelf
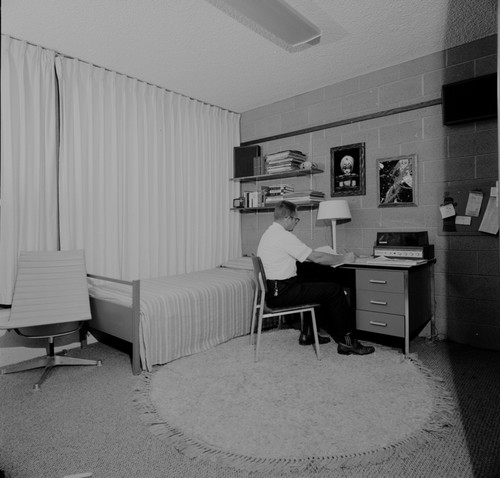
point(239, 202)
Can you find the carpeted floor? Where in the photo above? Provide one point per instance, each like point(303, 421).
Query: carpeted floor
point(290, 411)
point(85, 420)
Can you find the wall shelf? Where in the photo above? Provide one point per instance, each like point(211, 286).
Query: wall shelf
point(288, 174)
point(314, 205)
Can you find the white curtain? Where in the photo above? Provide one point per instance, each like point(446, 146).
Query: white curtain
point(144, 176)
point(28, 183)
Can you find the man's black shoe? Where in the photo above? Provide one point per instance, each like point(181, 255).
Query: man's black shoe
point(305, 339)
point(355, 348)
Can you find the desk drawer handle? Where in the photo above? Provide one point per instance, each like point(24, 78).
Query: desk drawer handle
point(374, 281)
point(378, 302)
point(379, 324)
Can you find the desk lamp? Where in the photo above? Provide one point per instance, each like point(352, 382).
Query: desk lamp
point(334, 210)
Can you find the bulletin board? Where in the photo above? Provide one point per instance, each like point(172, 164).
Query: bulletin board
point(461, 195)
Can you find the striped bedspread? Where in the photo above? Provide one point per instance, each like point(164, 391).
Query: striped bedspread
point(187, 313)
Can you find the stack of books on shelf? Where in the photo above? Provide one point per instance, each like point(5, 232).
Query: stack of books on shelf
point(274, 194)
point(306, 196)
point(284, 161)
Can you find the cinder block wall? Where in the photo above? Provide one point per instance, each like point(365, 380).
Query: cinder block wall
point(467, 269)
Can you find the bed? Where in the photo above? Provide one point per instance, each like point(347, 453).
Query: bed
point(171, 317)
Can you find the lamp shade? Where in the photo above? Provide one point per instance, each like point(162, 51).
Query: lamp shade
point(335, 209)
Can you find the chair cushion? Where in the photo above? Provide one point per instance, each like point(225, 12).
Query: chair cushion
point(50, 330)
point(298, 308)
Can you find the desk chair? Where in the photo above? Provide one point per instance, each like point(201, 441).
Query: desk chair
point(262, 310)
point(50, 300)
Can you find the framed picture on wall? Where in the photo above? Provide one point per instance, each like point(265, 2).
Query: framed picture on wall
point(347, 170)
point(397, 181)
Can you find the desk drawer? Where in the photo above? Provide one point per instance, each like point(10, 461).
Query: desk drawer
point(382, 280)
point(384, 302)
point(386, 324)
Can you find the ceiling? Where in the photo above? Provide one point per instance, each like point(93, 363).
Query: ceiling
point(193, 48)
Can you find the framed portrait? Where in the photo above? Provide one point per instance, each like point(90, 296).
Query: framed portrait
point(347, 170)
point(397, 181)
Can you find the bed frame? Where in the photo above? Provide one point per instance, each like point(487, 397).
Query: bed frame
point(216, 302)
point(118, 320)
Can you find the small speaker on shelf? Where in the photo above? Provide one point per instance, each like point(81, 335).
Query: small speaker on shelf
point(244, 160)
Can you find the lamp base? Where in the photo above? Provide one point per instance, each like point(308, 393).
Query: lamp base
point(334, 236)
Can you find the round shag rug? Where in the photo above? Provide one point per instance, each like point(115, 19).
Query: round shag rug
point(290, 411)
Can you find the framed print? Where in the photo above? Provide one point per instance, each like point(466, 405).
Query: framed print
point(347, 170)
point(397, 181)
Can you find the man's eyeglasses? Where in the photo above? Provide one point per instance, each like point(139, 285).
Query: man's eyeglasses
point(296, 219)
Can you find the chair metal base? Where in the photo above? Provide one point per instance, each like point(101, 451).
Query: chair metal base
point(282, 312)
point(48, 362)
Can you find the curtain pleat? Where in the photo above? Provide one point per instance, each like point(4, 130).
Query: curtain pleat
point(28, 183)
point(142, 183)
point(144, 176)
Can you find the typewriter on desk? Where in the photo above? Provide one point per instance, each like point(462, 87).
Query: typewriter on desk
point(403, 245)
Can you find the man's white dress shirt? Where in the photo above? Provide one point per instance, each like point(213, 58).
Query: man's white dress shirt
point(279, 250)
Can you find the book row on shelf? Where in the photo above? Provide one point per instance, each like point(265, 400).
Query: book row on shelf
point(270, 196)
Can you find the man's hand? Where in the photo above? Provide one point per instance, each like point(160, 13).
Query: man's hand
point(349, 257)
point(331, 259)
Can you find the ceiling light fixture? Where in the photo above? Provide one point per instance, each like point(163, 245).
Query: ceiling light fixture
point(273, 19)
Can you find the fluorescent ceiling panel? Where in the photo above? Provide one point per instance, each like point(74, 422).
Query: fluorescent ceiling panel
point(273, 19)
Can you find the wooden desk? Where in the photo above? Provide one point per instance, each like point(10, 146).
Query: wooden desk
point(394, 301)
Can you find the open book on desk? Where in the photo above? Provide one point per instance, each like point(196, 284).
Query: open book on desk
point(389, 261)
point(329, 250)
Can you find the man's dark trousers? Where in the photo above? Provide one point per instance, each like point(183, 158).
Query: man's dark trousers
point(313, 284)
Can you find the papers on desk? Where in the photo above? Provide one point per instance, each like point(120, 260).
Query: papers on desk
point(326, 249)
point(392, 262)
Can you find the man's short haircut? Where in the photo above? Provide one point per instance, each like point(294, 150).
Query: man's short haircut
point(284, 209)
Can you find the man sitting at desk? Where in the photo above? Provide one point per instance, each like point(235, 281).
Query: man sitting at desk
point(279, 251)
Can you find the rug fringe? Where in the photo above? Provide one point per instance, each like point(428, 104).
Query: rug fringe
point(441, 419)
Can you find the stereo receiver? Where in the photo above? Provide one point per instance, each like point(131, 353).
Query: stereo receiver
point(403, 245)
point(405, 252)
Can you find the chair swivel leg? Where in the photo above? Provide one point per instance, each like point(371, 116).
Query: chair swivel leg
point(259, 331)
point(315, 332)
point(255, 309)
point(50, 361)
point(27, 365)
point(53, 360)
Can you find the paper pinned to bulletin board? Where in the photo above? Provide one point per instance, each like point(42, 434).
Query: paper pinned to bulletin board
point(489, 224)
point(474, 203)
point(470, 208)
